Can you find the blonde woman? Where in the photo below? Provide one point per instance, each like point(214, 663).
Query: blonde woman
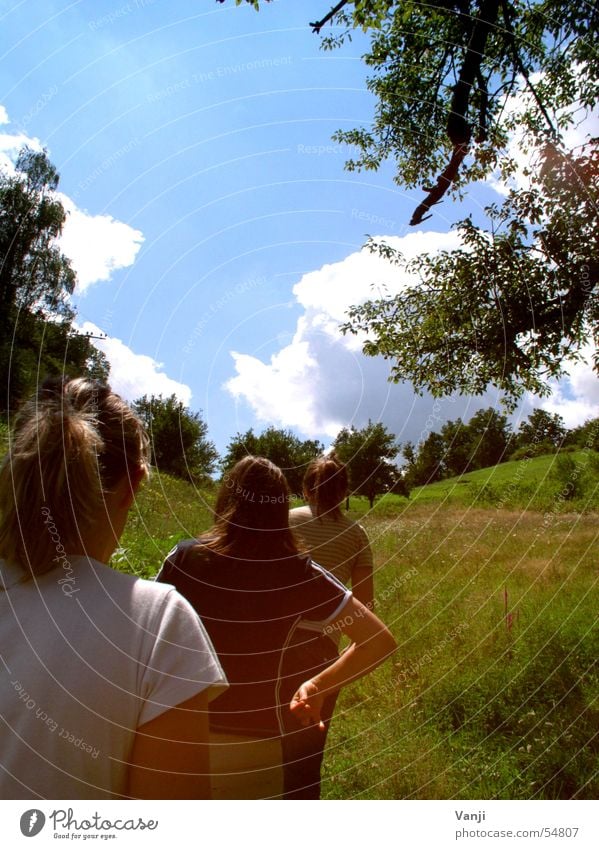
point(105, 678)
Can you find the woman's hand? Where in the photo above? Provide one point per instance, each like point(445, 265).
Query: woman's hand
point(307, 704)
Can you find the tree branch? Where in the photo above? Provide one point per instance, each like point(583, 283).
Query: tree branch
point(458, 126)
point(444, 181)
point(318, 25)
point(507, 16)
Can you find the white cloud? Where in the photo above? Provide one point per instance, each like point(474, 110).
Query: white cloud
point(133, 375)
point(10, 145)
point(321, 381)
point(576, 397)
point(97, 245)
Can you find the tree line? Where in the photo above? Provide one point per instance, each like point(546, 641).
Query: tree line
point(487, 440)
point(180, 446)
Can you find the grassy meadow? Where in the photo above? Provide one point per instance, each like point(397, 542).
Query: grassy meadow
point(493, 692)
point(489, 584)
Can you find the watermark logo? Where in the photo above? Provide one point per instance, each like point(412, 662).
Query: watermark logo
point(32, 822)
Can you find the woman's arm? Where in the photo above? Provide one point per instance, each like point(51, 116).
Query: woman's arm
point(362, 581)
point(170, 758)
point(362, 585)
point(371, 644)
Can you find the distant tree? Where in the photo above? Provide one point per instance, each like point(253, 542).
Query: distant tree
point(585, 435)
point(368, 454)
point(490, 436)
point(281, 447)
point(36, 281)
point(429, 465)
point(179, 438)
point(400, 485)
point(541, 428)
point(457, 440)
point(239, 447)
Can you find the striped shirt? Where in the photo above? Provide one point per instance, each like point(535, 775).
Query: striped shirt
point(337, 544)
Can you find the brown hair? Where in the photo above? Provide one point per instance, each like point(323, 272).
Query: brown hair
point(326, 484)
point(71, 444)
point(252, 513)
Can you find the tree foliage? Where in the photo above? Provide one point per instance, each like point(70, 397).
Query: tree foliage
point(454, 82)
point(281, 447)
point(510, 306)
point(585, 436)
point(178, 437)
point(484, 441)
point(543, 429)
point(368, 454)
point(36, 281)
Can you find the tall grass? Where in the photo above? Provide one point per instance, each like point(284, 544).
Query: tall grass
point(493, 692)
point(165, 511)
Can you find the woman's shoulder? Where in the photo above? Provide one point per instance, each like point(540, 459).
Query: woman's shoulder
point(299, 515)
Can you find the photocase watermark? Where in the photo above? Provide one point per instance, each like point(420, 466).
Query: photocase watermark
point(32, 822)
point(216, 306)
point(127, 9)
point(68, 581)
point(256, 497)
point(327, 150)
point(51, 724)
point(340, 624)
point(585, 277)
point(414, 666)
point(374, 220)
point(578, 468)
point(218, 73)
point(105, 166)
point(398, 582)
point(433, 417)
point(40, 104)
point(96, 822)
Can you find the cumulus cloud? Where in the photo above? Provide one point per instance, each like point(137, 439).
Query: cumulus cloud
point(97, 245)
point(320, 381)
point(10, 145)
point(133, 375)
point(576, 397)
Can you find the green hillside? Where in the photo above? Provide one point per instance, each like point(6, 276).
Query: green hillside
point(568, 480)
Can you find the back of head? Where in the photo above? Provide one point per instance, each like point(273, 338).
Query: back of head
point(72, 443)
point(326, 484)
point(252, 512)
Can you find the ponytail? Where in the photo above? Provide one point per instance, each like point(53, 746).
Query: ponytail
point(326, 485)
point(71, 443)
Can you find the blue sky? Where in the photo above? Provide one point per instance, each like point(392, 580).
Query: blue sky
point(215, 232)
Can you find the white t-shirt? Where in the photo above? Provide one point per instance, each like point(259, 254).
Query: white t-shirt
point(336, 543)
point(87, 656)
